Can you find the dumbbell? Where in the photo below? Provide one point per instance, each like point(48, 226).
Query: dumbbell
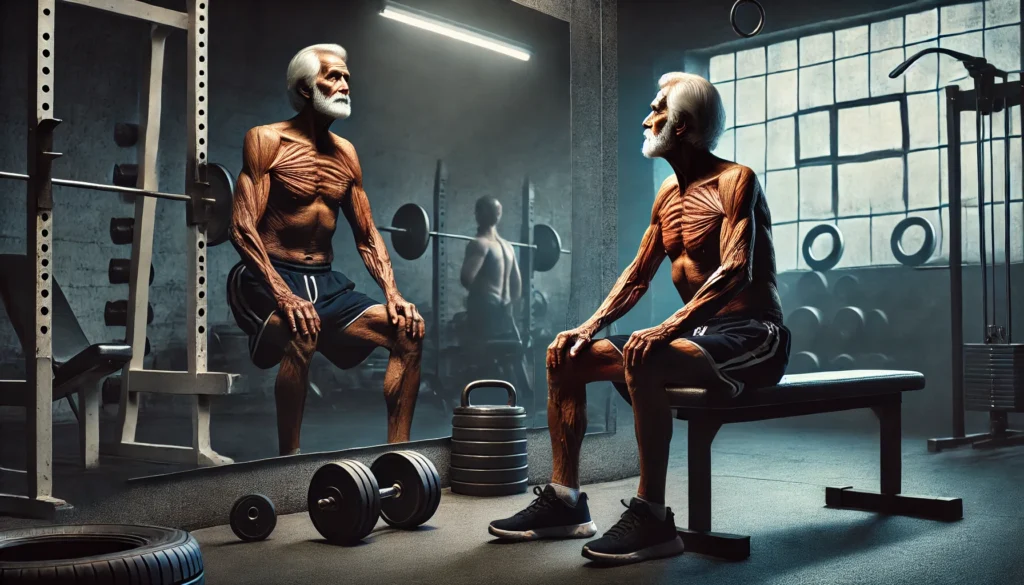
point(345, 498)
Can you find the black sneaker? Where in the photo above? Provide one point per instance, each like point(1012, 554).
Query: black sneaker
point(638, 536)
point(547, 517)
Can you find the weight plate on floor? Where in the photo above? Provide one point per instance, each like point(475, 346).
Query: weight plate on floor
point(253, 517)
point(489, 490)
point(410, 507)
point(805, 325)
point(848, 325)
point(876, 325)
point(488, 461)
point(874, 361)
point(482, 448)
point(468, 421)
point(489, 435)
point(490, 476)
point(803, 362)
point(356, 505)
point(847, 290)
point(843, 361)
point(811, 288)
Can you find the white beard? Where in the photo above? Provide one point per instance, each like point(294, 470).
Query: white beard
point(656, 145)
point(339, 108)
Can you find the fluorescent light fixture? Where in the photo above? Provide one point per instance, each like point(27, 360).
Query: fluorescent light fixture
point(454, 30)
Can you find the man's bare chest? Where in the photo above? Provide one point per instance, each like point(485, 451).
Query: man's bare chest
point(691, 223)
point(307, 174)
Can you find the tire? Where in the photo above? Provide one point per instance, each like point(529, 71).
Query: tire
point(135, 555)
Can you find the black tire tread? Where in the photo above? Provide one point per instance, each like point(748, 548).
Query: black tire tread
point(167, 557)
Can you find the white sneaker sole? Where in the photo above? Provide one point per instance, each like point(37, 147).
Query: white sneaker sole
point(577, 531)
point(658, 551)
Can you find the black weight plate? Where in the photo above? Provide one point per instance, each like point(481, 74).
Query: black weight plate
point(434, 496)
point(927, 246)
point(490, 475)
point(803, 362)
point(466, 421)
point(847, 290)
point(222, 191)
point(843, 361)
point(253, 517)
point(874, 361)
point(828, 262)
point(811, 288)
point(356, 513)
point(805, 325)
point(848, 325)
point(400, 469)
point(489, 449)
point(489, 490)
point(411, 243)
point(488, 461)
point(549, 247)
point(876, 325)
point(489, 410)
point(489, 435)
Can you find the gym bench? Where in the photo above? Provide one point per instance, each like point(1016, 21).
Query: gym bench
point(800, 395)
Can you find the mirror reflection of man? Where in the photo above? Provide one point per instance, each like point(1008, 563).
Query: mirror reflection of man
point(297, 177)
point(490, 274)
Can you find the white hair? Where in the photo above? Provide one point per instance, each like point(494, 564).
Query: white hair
point(303, 69)
point(697, 99)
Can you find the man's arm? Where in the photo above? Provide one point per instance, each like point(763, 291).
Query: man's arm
point(737, 190)
point(636, 278)
point(250, 202)
point(476, 252)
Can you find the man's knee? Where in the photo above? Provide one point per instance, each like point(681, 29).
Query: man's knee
point(642, 377)
point(406, 346)
point(301, 347)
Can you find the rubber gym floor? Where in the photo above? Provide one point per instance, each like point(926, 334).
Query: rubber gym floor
point(768, 483)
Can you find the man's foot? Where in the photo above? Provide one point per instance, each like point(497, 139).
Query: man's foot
point(547, 517)
point(638, 536)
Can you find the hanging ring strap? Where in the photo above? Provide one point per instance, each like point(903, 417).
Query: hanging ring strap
point(760, 21)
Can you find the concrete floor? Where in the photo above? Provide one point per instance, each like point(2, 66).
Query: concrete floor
point(768, 482)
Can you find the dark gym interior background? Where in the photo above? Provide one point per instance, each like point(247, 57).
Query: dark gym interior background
point(493, 122)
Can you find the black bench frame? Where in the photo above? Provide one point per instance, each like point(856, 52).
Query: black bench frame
point(704, 423)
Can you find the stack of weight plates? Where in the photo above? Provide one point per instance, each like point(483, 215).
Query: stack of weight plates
point(489, 445)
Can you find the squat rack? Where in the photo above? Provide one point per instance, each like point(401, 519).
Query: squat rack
point(39, 500)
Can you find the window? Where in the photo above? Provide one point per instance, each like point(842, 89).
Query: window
point(834, 140)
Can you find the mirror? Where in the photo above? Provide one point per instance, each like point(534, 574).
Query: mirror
point(417, 97)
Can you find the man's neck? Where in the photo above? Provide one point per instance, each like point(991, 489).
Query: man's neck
point(690, 164)
point(314, 126)
point(487, 232)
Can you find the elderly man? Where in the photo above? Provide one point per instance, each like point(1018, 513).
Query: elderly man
point(711, 220)
point(296, 177)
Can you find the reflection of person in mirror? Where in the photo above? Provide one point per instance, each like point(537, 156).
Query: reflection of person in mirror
point(490, 273)
point(711, 220)
point(296, 177)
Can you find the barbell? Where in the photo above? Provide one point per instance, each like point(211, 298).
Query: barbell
point(410, 235)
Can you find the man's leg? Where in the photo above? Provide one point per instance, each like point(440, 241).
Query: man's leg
point(560, 510)
point(567, 405)
point(292, 379)
point(681, 362)
point(402, 378)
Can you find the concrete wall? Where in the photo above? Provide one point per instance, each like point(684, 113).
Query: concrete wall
point(417, 97)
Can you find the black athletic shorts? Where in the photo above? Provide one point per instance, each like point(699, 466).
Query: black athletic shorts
point(742, 351)
point(333, 296)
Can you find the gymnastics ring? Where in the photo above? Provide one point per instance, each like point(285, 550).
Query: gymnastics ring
point(927, 248)
point(760, 22)
point(828, 262)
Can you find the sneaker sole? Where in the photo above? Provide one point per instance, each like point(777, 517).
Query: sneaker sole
point(578, 531)
point(658, 551)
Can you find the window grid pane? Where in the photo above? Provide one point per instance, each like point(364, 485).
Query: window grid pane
point(791, 102)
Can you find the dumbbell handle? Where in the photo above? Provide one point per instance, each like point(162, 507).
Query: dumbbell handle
point(391, 492)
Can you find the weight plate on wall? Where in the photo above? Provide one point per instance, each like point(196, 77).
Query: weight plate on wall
point(927, 247)
point(828, 262)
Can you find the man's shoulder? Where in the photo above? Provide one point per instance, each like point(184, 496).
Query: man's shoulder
point(265, 133)
point(344, 145)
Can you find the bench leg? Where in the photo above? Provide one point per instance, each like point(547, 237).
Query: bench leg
point(89, 424)
point(201, 434)
point(697, 537)
point(889, 500)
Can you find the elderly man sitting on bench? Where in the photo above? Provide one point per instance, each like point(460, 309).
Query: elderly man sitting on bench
point(711, 220)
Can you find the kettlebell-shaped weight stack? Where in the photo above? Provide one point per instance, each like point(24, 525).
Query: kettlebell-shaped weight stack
point(488, 456)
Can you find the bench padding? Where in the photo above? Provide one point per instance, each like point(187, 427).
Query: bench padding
point(804, 388)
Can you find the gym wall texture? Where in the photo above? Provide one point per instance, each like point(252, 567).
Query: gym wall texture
point(417, 97)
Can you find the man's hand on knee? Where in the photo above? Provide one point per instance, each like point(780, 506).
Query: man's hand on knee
point(403, 314)
point(574, 340)
point(300, 314)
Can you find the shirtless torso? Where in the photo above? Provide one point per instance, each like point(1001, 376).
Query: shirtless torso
point(490, 270)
